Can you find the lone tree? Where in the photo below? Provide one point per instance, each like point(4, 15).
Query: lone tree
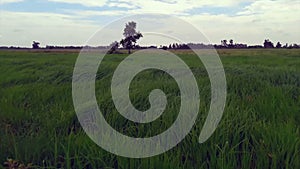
point(35, 45)
point(130, 36)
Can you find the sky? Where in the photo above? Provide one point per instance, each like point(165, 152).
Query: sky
point(73, 22)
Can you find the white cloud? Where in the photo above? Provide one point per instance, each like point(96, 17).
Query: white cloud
point(277, 20)
point(9, 1)
point(273, 8)
point(89, 13)
point(172, 6)
point(121, 5)
point(156, 6)
point(89, 3)
point(20, 29)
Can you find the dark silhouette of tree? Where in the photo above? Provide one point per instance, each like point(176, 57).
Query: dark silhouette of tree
point(174, 46)
point(268, 44)
point(130, 29)
point(231, 43)
point(255, 46)
point(278, 45)
point(36, 45)
point(130, 36)
point(224, 43)
point(113, 47)
point(296, 46)
point(164, 47)
point(240, 46)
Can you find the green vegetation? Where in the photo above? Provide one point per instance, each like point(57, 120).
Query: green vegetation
point(260, 127)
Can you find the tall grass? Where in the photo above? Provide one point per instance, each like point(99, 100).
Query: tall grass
point(259, 129)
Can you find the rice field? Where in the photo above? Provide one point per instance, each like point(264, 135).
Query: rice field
point(260, 127)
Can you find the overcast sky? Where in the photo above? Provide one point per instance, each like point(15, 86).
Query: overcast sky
point(72, 22)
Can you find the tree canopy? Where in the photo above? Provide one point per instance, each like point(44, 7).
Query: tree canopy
point(130, 36)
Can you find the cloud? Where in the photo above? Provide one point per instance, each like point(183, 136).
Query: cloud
point(91, 13)
point(88, 3)
point(258, 20)
point(48, 28)
point(155, 6)
point(272, 8)
point(9, 1)
point(121, 5)
point(276, 20)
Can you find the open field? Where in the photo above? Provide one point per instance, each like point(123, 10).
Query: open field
point(260, 127)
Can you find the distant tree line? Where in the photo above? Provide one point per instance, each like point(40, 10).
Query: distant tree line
point(269, 44)
point(129, 43)
point(75, 47)
point(225, 45)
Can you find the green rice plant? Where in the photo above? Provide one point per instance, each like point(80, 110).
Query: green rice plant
point(260, 127)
